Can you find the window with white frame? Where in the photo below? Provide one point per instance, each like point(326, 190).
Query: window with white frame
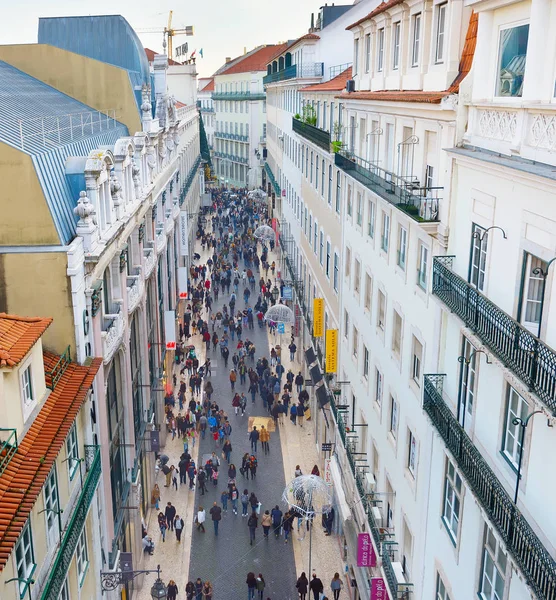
point(396, 37)
point(381, 312)
point(72, 451)
point(407, 550)
point(311, 172)
point(366, 362)
point(416, 39)
point(82, 557)
point(412, 452)
point(356, 56)
point(367, 52)
point(64, 592)
point(25, 557)
point(402, 247)
point(516, 408)
point(317, 173)
point(380, 49)
point(423, 266)
point(441, 11)
point(477, 266)
point(512, 56)
point(468, 379)
point(357, 276)
point(315, 237)
point(330, 185)
point(452, 500)
point(416, 360)
point(441, 593)
point(346, 324)
point(378, 387)
point(355, 342)
point(371, 219)
point(338, 192)
point(349, 206)
point(336, 270)
point(322, 170)
point(494, 566)
point(27, 390)
point(532, 288)
point(347, 269)
point(385, 238)
point(394, 417)
point(396, 333)
point(368, 292)
point(51, 506)
point(327, 270)
point(310, 228)
point(359, 213)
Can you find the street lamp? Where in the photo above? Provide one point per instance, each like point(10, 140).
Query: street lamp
point(110, 580)
point(544, 274)
point(57, 512)
point(523, 424)
point(158, 590)
point(467, 362)
point(28, 582)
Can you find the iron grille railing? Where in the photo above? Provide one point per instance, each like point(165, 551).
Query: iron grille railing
point(293, 71)
point(73, 531)
point(531, 556)
point(314, 134)
point(270, 175)
point(189, 180)
point(238, 95)
point(337, 69)
point(420, 203)
point(8, 447)
point(53, 376)
point(528, 357)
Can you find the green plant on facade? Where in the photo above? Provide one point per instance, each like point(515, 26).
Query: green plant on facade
point(297, 116)
point(309, 115)
point(337, 133)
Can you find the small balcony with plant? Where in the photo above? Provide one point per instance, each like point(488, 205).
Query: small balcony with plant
point(305, 125)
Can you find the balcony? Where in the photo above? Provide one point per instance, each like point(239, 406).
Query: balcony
point(204, 109)
point(186, 112)
point(135, 288)
point(535, 562)
point(112, 334)
point(8, 447)
point(306, 71)
point(318, 136)
point(231, 136)
point(238, 96)
point(160, 239)
point(420, 203)
point(75, 526)
point(272, 179)
point(189, 181)
point(150, 261)
point(519, 350)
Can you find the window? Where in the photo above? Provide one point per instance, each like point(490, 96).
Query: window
point(407, 550)
point(336, 270)
point(349, 206)
point(51, 505)
point(310, 228)
point(81, 557)
point(397, 334)
point(429, 179)
point(396, 36)
point(380, 50)
point(322, 172)
point(368, 292)
point(402, 247)
point(356, 276)
point(321, 248)
point(378, 387)
point(394, 417)
point(440, 32)
point(416, 40)
point(72, 451)
point(532, 286)
point(441, 593)
point(477, 266)
point(367, 52)
point(311, 172)
point(330, 185)
point(494, 569)
point(305, 222)
point(411, 453)
point(371, 221)
point(359, 209)
point(24, 557)
point(315, 237)
point(338, 192)
point(27, 389)
point(512, 55)
point(355, 342)
point(416, 361)
point(328, 259)
point(346, 323)
point(381, 314)
point(348, 263)
point(64, 592)
point(467, 378)
point(517, 408)
point(423, 266)
point(385, 231)
point(452, 500)
point(366, 361)
point(317, 174)
point(355, 57)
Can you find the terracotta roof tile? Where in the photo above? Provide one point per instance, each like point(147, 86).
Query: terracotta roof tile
point(335, 84)
point(383, 6)
point(209, 87)
point(179, 104)
point(288, 45)
point(151, 54)
point(468, 52)
point(254, 61)
point(18, 335)
point(26, 472)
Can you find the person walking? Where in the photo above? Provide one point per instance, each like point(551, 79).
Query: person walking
point(198, 589)
point(276, 515)
point(287, 525)
point(233, 379)
point(178, 527)
point(266, 522)
point(260, 586)
point(234, 495)
point(172, 590)
point(336, 585)
point(155, 496)
point(329, 520)
point(254, 438)
point(170, 514)
point(251, 582)
point(216, 514)
point(207, 590)
point(224, 497)
point(163, 525)
point(190, 590)
point(292, 348)
point(201, 518)
point(227, 450)
point(244, 502)
point(300, 414)
point(201, 480)
point(252, 523)
point(316, 587)
point(302, 586)
point(264, 437)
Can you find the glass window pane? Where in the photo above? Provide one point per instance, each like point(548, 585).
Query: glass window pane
point(512, 54)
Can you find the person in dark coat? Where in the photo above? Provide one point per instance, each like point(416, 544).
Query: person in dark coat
point(172, 590)
point(302, 585)
point(316, 587)
point(170, 514)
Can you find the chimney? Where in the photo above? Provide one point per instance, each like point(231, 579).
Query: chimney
point(244, 49)
point(312, 21)
point(228, 59)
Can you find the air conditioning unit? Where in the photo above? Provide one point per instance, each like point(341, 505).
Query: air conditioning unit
point(377, 515)
point(370, 483)
point(350, 85)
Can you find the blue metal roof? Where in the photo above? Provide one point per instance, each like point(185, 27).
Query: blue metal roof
point(51, 127)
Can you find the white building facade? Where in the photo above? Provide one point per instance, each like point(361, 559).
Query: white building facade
point(206, 106)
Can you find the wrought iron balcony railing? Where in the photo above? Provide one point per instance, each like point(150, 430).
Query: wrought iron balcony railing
point(8, 447)
point(53, 376)
point(238, 95)
point(528, 357)
point(187, 183)
point(270, 175)
point(75, 526)
point(295, 71)
point(420, 203)
point(537, 565)
point(318, 136)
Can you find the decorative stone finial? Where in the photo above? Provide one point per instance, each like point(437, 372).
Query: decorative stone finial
point(84, 209)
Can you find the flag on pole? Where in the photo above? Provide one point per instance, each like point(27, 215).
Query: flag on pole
point(201, 52)
point(193, 53)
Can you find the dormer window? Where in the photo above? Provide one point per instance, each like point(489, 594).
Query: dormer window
point(440, 32)
point(356, 57)
point(380, 50)
point(27, 391)
point(396, 36)
point(512, 54)
point(416, 44)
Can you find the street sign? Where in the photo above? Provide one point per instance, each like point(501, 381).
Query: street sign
point(331, 350)
point(326, 446)
point(327, 471)
point(287, 293)
point(281, 328)
point(318, 311)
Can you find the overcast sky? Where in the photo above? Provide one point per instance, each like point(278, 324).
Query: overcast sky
point(222, 27)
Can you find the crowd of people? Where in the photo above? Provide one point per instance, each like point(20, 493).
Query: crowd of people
point(229, 273)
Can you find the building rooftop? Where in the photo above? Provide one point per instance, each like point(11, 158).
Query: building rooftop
point(336, 84)
point(151, 54)
point(256, 60)
point(18, 335)
point(24, 476)
point(382, 7)
point(209, 86)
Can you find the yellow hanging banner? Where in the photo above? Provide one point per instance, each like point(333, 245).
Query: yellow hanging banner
point(331, 350)
point(318, 312)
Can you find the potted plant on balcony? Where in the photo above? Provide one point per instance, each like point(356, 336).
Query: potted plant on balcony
point(297, 116)
point(309, 115)
point(336, 142)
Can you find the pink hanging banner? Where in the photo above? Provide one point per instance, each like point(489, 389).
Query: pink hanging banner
point(366, 556)
point(378, 589)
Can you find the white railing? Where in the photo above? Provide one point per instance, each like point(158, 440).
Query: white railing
point(62, 129)
point(150, 261)
point(134, 292)
point(113, 335)
point(169, 223)
point(186, 112)
point(160, 240)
